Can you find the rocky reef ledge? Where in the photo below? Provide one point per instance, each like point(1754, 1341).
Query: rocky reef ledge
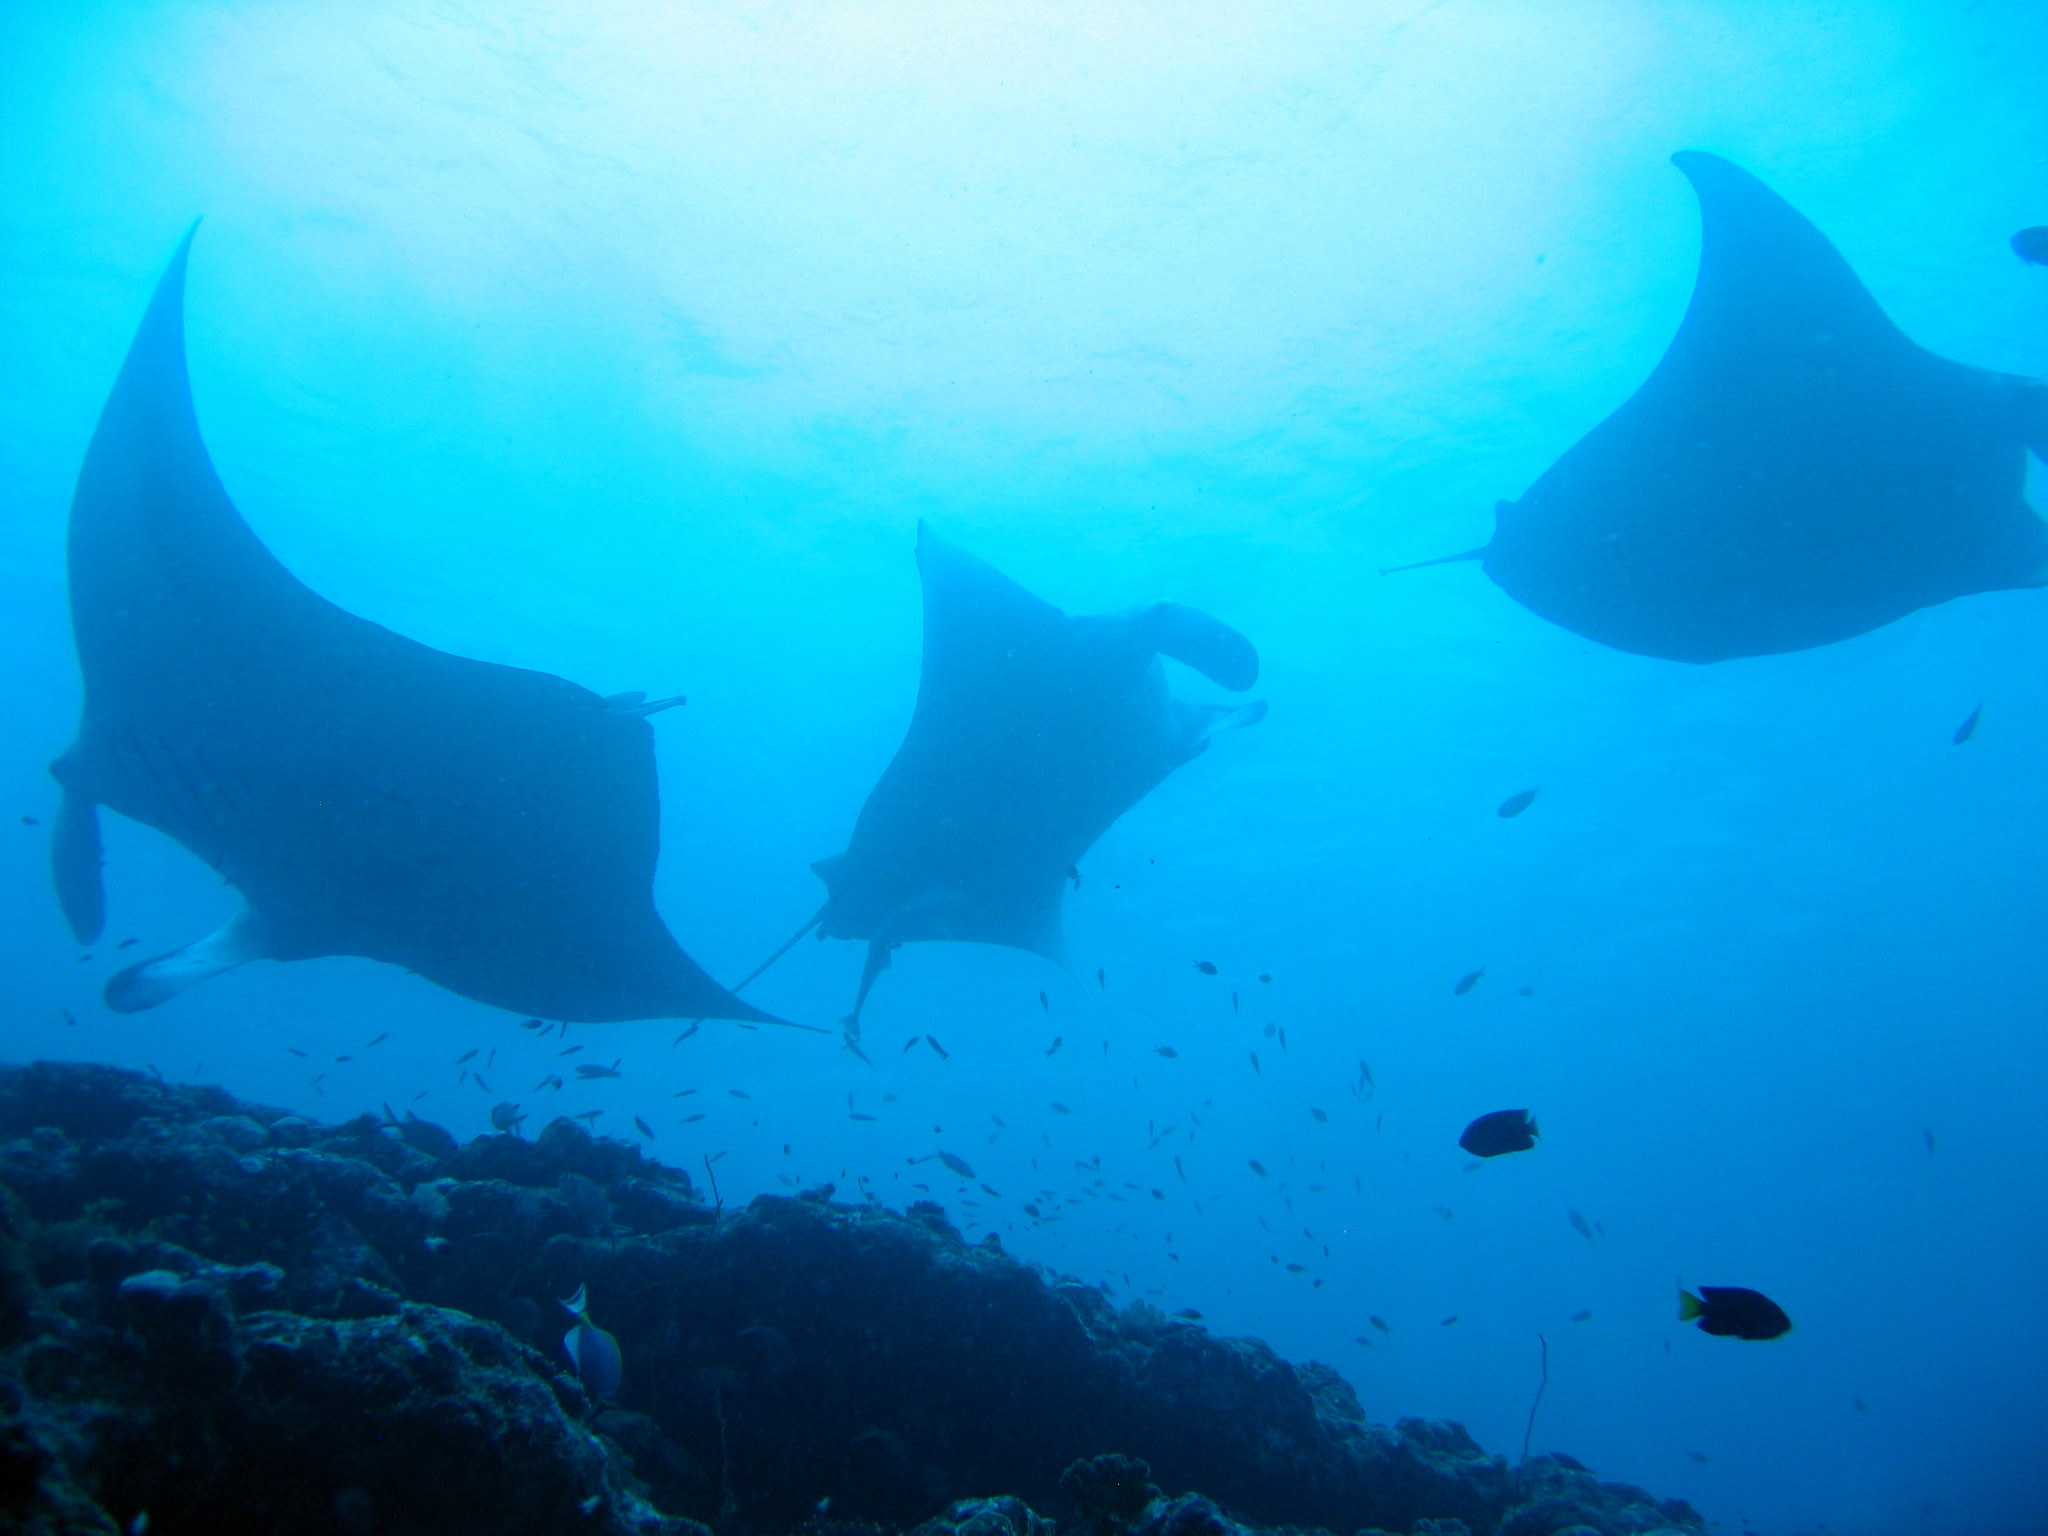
point(221, 1318)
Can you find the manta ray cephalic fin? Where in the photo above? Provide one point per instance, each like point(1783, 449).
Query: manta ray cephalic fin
point(149, 982)
point(75, 859)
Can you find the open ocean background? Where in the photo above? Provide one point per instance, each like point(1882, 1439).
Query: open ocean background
point(629, 342)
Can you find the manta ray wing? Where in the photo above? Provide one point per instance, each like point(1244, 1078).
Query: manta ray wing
point(1033, 733)
point(491, 828)
point(1794, 472)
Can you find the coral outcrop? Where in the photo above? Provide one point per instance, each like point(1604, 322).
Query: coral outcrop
point(226, 1318)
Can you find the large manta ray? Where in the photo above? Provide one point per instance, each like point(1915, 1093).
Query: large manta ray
point(1795, 471)
point(1033, 732)
point(493, 829)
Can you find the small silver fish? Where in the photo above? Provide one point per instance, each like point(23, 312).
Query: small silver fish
point(957, 1164)
point(593, 1352)
point(587, 1070)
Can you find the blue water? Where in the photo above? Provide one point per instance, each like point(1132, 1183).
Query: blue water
point(629, 343)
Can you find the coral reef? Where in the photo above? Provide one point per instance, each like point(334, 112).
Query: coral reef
point(232, 1319)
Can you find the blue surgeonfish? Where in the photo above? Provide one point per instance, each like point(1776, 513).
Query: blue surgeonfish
point(593, 1352)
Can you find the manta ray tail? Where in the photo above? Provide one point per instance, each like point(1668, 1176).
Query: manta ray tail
point(1470, 554)
point(75, 860)
point(148, 982)
point(1207, 644)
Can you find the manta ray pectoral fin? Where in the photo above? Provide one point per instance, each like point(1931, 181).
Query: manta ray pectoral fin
point(1207, 644)
point(75, 866)
point(1470, 554)
point(145, 984)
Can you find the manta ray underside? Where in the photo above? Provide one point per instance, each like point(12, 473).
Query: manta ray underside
point(1033, 732)
point(493, 829)
point(1794, 472)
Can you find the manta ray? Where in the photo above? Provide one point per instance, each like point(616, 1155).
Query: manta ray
point(492, 829)
point(1794, 472)
point(1033, 732)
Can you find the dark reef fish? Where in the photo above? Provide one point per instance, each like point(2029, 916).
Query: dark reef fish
point(1206, 967)
point(593, 1352)
point(1794, 472)
point(1515, 804)
point(1503, 1131)
point(1733, 1312)
point(2031, 245)
point(1467, 982)
point(490, 828)
point(1033, 732)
